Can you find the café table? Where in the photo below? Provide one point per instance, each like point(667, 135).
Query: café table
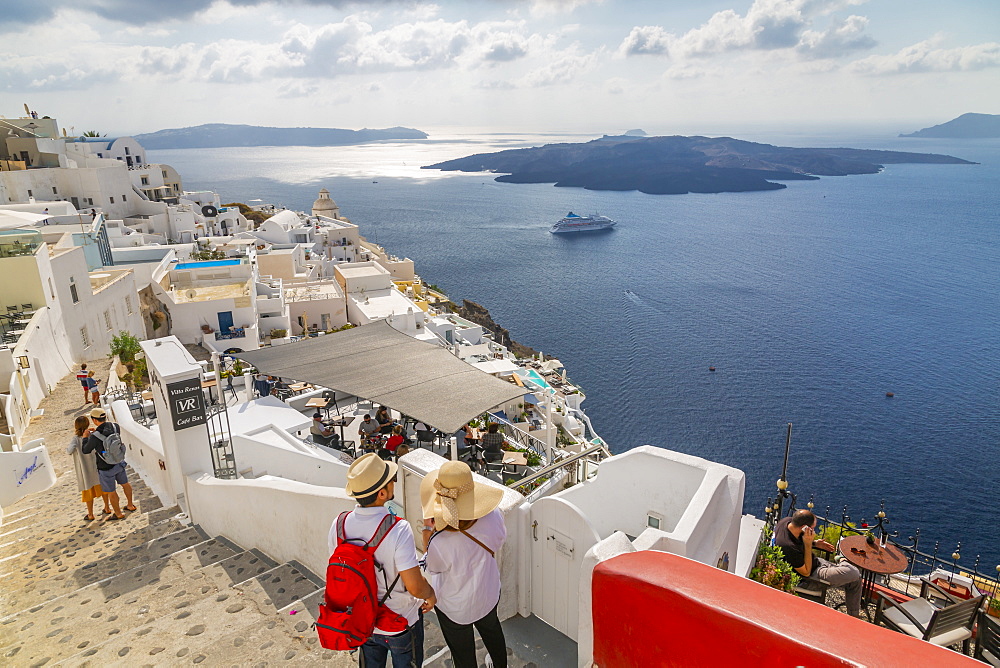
point(515, 458)
point(299, 387)
point(340, 423)
point(872, 561)
point(209, 384)
point(319, 402)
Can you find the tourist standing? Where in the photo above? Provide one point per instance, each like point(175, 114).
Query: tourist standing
point(87, 480)
point(110, 474)
point(93, 388)
point(461, 560)
point(81, 376)
point(371, 482)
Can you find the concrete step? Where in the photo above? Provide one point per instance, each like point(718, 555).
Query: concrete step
point(197, 630)
point(113, 611)
point(109, 579)
point(60, 552)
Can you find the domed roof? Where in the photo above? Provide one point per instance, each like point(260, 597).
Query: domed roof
point(324, 206)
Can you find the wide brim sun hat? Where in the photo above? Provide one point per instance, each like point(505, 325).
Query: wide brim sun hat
point(368, 475)
point(451, 494)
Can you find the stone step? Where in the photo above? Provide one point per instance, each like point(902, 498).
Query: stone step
point(61, 551)
point(108, 577)
point(197, 630)
point(23, 593)
point(113, 611)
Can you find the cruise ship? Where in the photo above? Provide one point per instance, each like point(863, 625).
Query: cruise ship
point(575, 223)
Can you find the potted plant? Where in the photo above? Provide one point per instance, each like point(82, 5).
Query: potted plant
point(994, 607)
point(771, 569)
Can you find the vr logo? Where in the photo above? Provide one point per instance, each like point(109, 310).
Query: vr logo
point(186, 405)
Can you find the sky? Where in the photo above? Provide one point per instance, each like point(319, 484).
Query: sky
point(665, 66)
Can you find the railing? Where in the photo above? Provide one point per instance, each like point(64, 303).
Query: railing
point(136, 404)
point(518, 436)
point(575, 466)
point(919, 563)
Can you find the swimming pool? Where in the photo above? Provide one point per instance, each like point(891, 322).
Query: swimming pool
point(537, 379)
point(207, 263)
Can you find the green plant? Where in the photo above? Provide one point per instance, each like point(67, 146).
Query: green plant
point(279, 333)
point(156, 324)
point(832, 533)
point(994, 606)
point(771, 568)
point(139, 374)
point(125, 347)
point(93, 133)
point(534, 459)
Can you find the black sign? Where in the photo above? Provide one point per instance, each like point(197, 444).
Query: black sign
point(187, 403)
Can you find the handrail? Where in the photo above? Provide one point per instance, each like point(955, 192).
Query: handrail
point(520, 436)
point(546, 470)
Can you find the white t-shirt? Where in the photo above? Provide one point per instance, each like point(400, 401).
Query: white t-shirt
point(466, 579)
point(398, 552)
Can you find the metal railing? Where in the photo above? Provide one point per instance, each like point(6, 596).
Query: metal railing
point(234, 333)
point(519, 437)
point(575, 466)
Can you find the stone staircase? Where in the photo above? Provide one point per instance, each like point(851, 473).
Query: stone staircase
point(151, 589)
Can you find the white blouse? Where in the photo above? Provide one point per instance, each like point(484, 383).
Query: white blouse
point(466, 579)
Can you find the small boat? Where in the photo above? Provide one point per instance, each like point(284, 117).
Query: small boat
point(575, 223)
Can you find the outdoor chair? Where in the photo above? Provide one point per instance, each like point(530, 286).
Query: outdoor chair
point(812, 589)
point(495, 467)
point(26, 307)
point(921, 619)
point(988, 640)
point(425, 439)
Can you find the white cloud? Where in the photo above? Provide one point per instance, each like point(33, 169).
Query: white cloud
point(927, 56)
point(645, 40)
point(543, 8)
point(561, 69)
point(845, 37)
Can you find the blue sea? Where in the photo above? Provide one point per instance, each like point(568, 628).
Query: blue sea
point(811, 302)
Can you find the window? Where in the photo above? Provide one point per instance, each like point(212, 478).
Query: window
point(124, 198)
point(72, 291)
point(54, 191)
point(107, 320)
point(85, 336)
point(128, 304)
point(30, 194)
point(112, 199)
point(164, 172)
point(145, 180)
point(90, 201)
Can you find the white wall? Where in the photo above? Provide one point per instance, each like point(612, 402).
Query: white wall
point(144, 452)
point(26, 472)
point(282, 518)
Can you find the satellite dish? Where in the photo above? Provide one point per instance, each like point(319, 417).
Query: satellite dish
point(209, 211)
point(191, 294)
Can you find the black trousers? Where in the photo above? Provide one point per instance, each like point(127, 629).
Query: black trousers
point(462, 641)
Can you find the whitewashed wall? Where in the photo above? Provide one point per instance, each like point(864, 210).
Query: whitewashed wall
point(144, 452)
point(318, 468)
point(283, 518)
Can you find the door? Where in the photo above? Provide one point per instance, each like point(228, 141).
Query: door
point(226, 322)
point(559, 536)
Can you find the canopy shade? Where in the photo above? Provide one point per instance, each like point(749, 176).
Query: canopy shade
point(376, 362)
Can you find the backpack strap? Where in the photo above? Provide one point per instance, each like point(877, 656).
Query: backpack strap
point(384, 527)
point(341, 519)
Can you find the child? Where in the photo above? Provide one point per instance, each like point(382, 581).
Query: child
point(81, 376)
point(95, 393)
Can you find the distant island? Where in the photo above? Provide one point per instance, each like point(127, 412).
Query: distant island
point(966, 126)
point(678, 165)
point(215, 135)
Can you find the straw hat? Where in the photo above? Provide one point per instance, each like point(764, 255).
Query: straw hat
point(368, 475)
point(450, 494)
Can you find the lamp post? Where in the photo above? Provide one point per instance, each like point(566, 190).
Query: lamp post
point(782, 482)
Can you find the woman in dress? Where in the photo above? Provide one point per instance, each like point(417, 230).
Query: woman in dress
point(468, 531)
point(86, 468)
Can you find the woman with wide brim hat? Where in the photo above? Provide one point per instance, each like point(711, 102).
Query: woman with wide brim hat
point(461, 559)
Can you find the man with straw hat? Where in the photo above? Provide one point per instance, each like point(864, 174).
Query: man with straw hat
point(461, 560)
point(371, 481)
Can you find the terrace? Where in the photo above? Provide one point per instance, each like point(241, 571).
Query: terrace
point(907, 585)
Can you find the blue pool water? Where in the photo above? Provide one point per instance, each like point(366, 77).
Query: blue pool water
point(206, 264)
point(535, 378)
point(812, 302)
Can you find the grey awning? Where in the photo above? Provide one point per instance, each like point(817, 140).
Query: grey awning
point(376, 362)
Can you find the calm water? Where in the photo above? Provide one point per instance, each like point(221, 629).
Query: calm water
point(811, 302)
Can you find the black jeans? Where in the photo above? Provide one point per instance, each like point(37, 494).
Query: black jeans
point(462, 641)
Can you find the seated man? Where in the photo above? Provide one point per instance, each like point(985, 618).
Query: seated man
point(322, 434)
point(367, 428)
point(493, 444)
point(795, 536)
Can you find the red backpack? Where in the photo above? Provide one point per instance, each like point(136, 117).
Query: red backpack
point(351, 610)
